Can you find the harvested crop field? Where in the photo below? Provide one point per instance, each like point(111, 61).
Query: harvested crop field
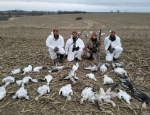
point(22, 42)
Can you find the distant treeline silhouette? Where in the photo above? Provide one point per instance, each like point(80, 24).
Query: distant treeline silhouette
point(5, 15)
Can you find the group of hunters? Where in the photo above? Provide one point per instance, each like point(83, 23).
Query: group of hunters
point(74, 47)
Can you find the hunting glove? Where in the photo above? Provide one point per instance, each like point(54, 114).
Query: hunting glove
point(56, 49)
point(75, 49)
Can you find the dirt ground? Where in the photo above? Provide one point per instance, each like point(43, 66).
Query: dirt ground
point(22, 42)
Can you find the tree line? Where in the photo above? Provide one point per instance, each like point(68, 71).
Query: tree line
point(5, 15)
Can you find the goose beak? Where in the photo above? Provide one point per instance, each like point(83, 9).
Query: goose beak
point(97, 105)
point(144, 105)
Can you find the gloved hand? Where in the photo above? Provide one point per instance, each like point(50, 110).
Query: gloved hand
point(111, 50)
point(75, 49)
point(94, 49)
point(56, 49)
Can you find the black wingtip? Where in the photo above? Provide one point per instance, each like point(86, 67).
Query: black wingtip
point(41, 80)
point(97, 105)
point(114, 86)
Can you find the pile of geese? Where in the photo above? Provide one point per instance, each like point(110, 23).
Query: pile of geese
point(88, 93)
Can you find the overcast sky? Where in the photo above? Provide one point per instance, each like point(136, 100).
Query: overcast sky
point(80, 5)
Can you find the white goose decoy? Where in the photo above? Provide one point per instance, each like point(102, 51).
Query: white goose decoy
point(42, 90)
point(8, 80)
point(37, 69)
point(103, 68)
point(122, 94)
point(92, 76)
point(27, 69)
point(120, 71)
point(48, 78)
point(21, 93)
point(2, 92)
point(66, 91)
point(15, 71)
point(107, 80)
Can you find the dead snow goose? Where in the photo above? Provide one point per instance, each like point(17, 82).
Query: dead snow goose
point(75, 67)
point(21, 93)
point(107, 80)
point(103, 68)
point(2, 92)
point(88, 94)
point(94, 68)
point(15, 71)
point(27, 69)
point(8, 80)
point(66, 91)
point(42, 90)
point(37, 69)
point(71, 76)
point(91, 76)
point(105, 96)
point(120, 71)
point(56, 68)
point(48, 78)
point(25, 80)
point(122, 94)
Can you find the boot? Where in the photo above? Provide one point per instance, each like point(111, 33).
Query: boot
point(76, 59)
point(115, 60)
point(61, 58)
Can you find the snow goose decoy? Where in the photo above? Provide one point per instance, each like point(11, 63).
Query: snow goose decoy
point(42, 90)
point(15, 71)
point(8, 80)
point(66, 91)
point(21, 93)
point(2, 92)
point(122, 94)
point(27, 69)
point(37, 69)
point(91, 76)
point(107, 80)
